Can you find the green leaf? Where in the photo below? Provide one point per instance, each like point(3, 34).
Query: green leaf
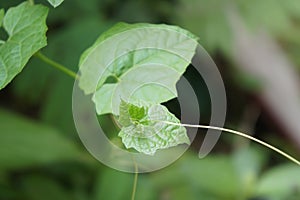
point(144, 130)
point(139, 63)
point(282, 182)
point(136, 113)
point(213, 174)
point(248, 163)
point(104, 100)
point(26, 27)
point(131, 114)
point(55, 3)
point(124, 118)
point(213, 177)
point(24, 143)
point(123, 52)
point(108, 180)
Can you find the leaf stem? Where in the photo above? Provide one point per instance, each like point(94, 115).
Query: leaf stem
point(134, 181)
point(56, 65)
point(240, 134)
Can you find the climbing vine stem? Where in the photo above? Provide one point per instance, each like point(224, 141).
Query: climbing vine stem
point(242, 135)
point(56, 65)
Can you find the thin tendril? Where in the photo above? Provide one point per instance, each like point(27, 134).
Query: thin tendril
point(240, 134)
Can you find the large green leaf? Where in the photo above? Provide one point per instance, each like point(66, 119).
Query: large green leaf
point(134, 55)
point(144, 130)
point(139, 63)
point(26, 28)
point(282, 182)
point(24, 143)
point(55, 3)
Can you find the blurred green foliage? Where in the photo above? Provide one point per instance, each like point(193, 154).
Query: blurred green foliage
point(40, 153)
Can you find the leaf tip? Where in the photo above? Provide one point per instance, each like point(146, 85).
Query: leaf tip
point(55, 3)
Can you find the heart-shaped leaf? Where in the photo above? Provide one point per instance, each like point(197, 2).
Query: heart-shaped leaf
point(134, 55)
point(144, 128)
point(139, 63)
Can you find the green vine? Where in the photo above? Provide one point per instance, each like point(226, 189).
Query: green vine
point(56, 65)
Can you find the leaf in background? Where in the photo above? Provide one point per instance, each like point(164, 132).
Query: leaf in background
point(248, 163)
point(292, 7)
point(282, 182)
point(26, 27)
point(55, 3)
point(1, 16)
point(113, 185)
point(212, 177)
point(215, 175)
point(24, 143)
point(36, 187)
point(107, 180)
point(207, 19)
point(67, 14)
point(144, 130)
point(269, 14)
point(146, 188)
point(132, 55)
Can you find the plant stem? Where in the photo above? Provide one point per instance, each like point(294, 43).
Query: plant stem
point(240, 134)
point(134, 181)
point(56, 65)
